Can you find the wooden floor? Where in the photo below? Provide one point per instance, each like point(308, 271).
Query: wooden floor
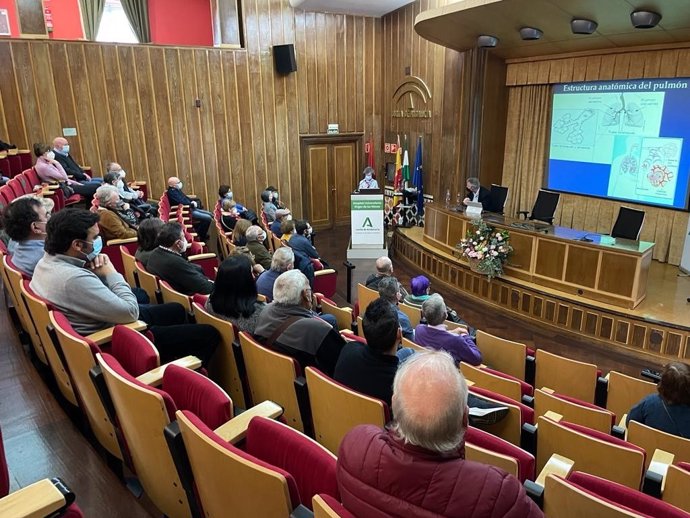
point(42, 441)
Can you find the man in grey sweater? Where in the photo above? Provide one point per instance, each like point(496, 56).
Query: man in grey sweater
point(83, 284)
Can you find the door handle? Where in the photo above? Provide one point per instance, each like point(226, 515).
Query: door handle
point(333, 189)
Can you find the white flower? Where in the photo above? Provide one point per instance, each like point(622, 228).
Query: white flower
point(499, 237)
point(479, 232)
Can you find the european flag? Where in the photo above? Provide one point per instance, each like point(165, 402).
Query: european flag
point(418, 178)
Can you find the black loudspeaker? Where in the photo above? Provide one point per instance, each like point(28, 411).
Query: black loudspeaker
point(284, 56)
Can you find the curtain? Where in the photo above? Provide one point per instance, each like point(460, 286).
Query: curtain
point(137, 12)
point(526, 134)
point(91, 14)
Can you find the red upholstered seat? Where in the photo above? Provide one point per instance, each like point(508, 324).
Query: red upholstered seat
point(526, 413)
point(623, 496)
point(325, 282)
point(525, 388)
point(337, 506)
point(526, 462)
point(603, 437)
point(312, 467)
point(15, 162)
point(32, 176)
point(25, 159)
point(135, 352)
point(200, 299)
point(684, 465)
point(5, 167)
point(16, 187)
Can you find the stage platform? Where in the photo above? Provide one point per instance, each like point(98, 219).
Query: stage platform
point(659, 326)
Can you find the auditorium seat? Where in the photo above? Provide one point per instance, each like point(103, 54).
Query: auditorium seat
point(504, 355)
point(499, 194)
point(143, 412)
point(593, 452)
point(25, 158)
point(169, 295)
point(623, 392)
point(496, 381)
point(573, 410)
point(112, 250)
point(15, 162)
point(652, 439)
point(481, 446)
point(273, 376)
point(223, 366)
point(584, 494)
point(677, 486)
point(413, 313)
point(149, 283)
point(343, 316)
point(325, 506)
point(565, 376)
point(47, 497)
point(510, 427)
point(4, 165)
point(336, 409)
point(39, 309)
point(79, 356)
point(277, 470)
point(326, 281)
point(365, 296)
point(129, 266)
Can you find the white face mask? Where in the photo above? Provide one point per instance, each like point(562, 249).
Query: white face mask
point(120, 184)
point(228, 195)
point(123, 173)
point(50, 155)
point(183, 244)
point(368, 177)
point(65, 149)
point(288, 217)
point(179, 186)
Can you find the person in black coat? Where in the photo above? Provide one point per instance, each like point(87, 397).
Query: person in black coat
point(61, 149)
point(475, 192)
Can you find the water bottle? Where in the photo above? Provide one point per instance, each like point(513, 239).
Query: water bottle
point(458, 199)
point(447, 198)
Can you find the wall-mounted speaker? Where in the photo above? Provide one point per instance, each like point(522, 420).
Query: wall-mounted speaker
point(284, 57)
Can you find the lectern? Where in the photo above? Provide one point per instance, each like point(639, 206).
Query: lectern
point(367, 230)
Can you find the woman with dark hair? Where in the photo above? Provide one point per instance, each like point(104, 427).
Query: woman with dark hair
point(146, 236)
point(234, 294)
point(239, 237)
point(669, 409)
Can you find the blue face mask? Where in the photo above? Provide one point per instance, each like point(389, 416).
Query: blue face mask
point(97, 248)
point(65, 149)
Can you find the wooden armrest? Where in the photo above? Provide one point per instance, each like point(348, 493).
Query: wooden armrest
point(51, 186)
point(134, 187)
point(39, 499)
point(554, 416)
point(347, 332)
point(121, 241)
point(325, 271)
point(236, 429)
point(86, 167)
point(655, 477)
point(154, 377)
point(623, 422)
point(105, 335)
point(548, 390)
point(470, 383)
point(199, 257)
point(13, 151)
point(660, 462)
point(556, 465)
point(46, 193)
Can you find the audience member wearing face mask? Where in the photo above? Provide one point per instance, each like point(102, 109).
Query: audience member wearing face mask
point(368, 181)
point(201, 219)
point(118, 220)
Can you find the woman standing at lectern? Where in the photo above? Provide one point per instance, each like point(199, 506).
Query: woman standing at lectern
point(368, 181)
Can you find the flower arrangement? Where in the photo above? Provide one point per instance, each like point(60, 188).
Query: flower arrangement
point(486, 248)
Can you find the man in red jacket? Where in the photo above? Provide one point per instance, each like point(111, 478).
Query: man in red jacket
point(417, 467)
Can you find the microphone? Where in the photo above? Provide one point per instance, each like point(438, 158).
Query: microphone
point(586, 239)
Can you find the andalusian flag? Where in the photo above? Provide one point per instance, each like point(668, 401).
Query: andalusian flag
point(406, 165)
point(419, 179)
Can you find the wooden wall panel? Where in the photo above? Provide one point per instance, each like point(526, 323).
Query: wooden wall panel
point(136, 103)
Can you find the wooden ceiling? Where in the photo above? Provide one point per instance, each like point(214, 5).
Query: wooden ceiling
point(458, 24)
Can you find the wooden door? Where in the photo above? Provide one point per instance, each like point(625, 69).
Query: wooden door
point(330, 167)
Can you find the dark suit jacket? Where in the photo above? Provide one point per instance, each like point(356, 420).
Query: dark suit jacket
point(183, 276)
point(302, 244)
point(177, 197)
point(261, 255)
point(484, 197)
point(71, 167)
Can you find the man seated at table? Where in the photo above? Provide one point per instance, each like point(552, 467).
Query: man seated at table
point(477, 193)
point(417, 466)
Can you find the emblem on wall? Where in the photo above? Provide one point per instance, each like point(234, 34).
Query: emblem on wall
point(411, 99)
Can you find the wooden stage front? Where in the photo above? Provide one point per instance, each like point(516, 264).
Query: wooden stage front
point(659, 326)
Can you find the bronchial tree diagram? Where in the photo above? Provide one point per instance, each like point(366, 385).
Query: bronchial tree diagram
point(571, 126)
point(623, 114)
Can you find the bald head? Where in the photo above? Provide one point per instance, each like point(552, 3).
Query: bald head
point(59, 142)
point(173, 181)
point(384, 265)
point(430, 402)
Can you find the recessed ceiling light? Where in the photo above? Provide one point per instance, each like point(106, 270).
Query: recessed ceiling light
point(644, 19)
point(583, 26)
point(530, 33)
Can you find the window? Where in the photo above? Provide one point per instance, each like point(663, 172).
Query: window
point(114, 25)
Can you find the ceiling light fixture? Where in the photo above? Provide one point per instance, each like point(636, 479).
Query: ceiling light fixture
point(487, 41)
point(530, 33)
point(644, 19)
point(583, 26)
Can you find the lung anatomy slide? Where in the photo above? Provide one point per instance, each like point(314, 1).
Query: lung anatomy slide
point(625, 140)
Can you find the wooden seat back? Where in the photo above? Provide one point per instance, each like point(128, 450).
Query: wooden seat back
point(223, 367)
point(79, 360)
point(625, 391)
point(414, 314)
point(365, 296)
point(590, 455)
point(492, 458)
point(337, 409)
point(148, 282)
point(677, 488)
point(406, 342)
point(566, 376)
point(169, 295)
point(323, 509)
point(40, 314)
point(484, 379)
point(652, 439)
point(572, 412)
point(564, 500)
point(343, 316)
point(271, 376)
point(503, 355)
point(228, 484)
point(142, 417)
point(129, 265)
point(508, 428)
point(360, 327)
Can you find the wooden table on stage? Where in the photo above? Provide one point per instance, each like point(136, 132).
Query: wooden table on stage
point(606, 269)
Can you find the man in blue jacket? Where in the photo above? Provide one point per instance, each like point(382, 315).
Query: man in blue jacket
point(201, 218)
